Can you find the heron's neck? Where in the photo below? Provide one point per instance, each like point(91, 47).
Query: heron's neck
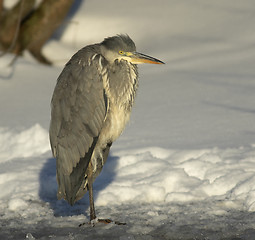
point(121, 83)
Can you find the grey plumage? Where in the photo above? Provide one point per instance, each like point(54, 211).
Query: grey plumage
point(91, 105)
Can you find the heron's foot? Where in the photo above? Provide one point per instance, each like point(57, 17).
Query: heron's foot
point(107, 221)
point(100, 220)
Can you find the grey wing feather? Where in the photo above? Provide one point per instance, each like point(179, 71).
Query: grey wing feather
point(78, 112)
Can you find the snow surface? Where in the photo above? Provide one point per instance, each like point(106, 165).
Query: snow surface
point(185, 166)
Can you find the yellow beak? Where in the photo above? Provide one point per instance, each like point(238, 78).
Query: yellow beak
point(138, 58)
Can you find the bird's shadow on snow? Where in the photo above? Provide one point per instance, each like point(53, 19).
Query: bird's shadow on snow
point(48, 188)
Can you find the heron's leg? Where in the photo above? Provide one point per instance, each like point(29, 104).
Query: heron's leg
point(90, 187)
point(91, 201)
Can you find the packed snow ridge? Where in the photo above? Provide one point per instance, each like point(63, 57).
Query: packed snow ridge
point(135, 175)
point(30, 142)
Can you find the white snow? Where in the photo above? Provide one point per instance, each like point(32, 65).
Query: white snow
point(185, 166)
point(30, 142)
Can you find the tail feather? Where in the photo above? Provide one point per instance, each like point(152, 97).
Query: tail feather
point(69, 185)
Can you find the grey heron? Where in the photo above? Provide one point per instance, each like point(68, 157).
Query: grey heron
point(90, 107)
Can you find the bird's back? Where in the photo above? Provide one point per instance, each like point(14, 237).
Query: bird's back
point(78, 111)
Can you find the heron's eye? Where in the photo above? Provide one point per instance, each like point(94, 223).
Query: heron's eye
point(121, 52)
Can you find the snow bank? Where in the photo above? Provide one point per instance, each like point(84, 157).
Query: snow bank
point(142, 176)
point(30, 142)
point(153, 175)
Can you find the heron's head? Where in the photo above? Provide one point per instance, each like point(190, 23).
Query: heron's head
point(121, 47)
